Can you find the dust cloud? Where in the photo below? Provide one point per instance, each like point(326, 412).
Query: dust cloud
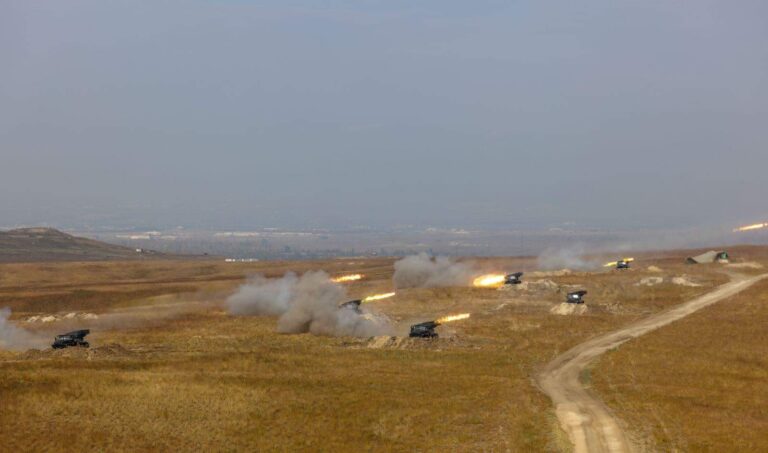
point(309, 303)
point(16, 338)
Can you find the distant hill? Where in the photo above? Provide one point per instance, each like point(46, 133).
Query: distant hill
point(48, 244)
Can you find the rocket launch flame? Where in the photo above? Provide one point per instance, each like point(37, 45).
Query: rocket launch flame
point(613, 263)
point(347, 278)
point(446, 319)
point(489, 280)
point(756, 226)
point(378, 297)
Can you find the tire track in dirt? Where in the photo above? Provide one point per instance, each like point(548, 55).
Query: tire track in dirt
point(589, 423)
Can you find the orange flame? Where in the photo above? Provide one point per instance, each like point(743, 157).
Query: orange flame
point(613, 263)
point(756, 226)
point(378, 297)
point(347, 278)
point(485, 281)
point(446, 319)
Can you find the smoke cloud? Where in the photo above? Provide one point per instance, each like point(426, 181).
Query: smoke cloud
point(309, 303)
point(566, 258)
point(16, 338)
point(263, 296)
point(423, 271)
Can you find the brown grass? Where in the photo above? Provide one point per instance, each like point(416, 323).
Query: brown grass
point(204, 380)
point(699, 384)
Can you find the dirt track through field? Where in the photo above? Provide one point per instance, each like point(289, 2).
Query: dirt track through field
point(588, 422)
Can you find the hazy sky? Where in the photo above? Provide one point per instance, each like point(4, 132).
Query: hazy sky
point(332, 113)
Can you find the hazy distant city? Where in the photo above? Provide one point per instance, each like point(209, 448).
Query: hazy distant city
point(276, 243)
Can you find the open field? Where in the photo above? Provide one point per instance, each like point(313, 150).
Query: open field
point(590, 425)
point(175, 372)
point(700, 384)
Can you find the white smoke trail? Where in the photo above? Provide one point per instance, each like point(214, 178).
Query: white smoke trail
point(309, 303)
point(16, 338)
point(263, 296)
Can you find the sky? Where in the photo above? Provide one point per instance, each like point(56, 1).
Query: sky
point(339, 113)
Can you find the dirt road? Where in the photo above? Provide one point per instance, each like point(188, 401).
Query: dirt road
point(588, 422)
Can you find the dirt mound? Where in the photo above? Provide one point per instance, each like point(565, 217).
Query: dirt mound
point(533, 285)
point(542, 285)
point(55, 318)
point(388, 342)
point(516, 325)
point(684, 281)
point(568, 309)
point(112, 350)
point(650, 281)
point(747, 265)
point(654, 269)
point(383, 342)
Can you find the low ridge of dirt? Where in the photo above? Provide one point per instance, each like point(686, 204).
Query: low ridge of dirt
point(392, 342)
point(684, 281)
point(567, 309)
point(107, 351)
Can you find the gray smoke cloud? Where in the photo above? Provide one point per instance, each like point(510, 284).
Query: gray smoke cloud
point(423, 271)
point(263, 296)
point(309, 303)
point(16, 338)
point(566, 258)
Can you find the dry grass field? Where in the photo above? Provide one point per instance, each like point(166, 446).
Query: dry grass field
point(176, 372)
point(700, 384)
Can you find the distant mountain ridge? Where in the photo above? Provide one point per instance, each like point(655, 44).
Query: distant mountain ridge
point(48, 244)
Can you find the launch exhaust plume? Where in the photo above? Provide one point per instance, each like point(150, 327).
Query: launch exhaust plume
point(376, 297)
point(446, 319)
point(757, 226)
point(489, 281)
point(16, 338)
point(615, 263)
point(305, 304)
point(423, 271)
point(347, 278)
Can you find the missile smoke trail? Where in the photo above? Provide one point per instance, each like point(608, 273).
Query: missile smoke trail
point(378, 297)
point(16, 338)
point(452, 318)
point(757, 226)
point(347, 278)
point(305, 304)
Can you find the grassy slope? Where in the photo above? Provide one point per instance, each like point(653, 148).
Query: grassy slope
point(700, 384)
point(45, 244)
point(210, 381)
